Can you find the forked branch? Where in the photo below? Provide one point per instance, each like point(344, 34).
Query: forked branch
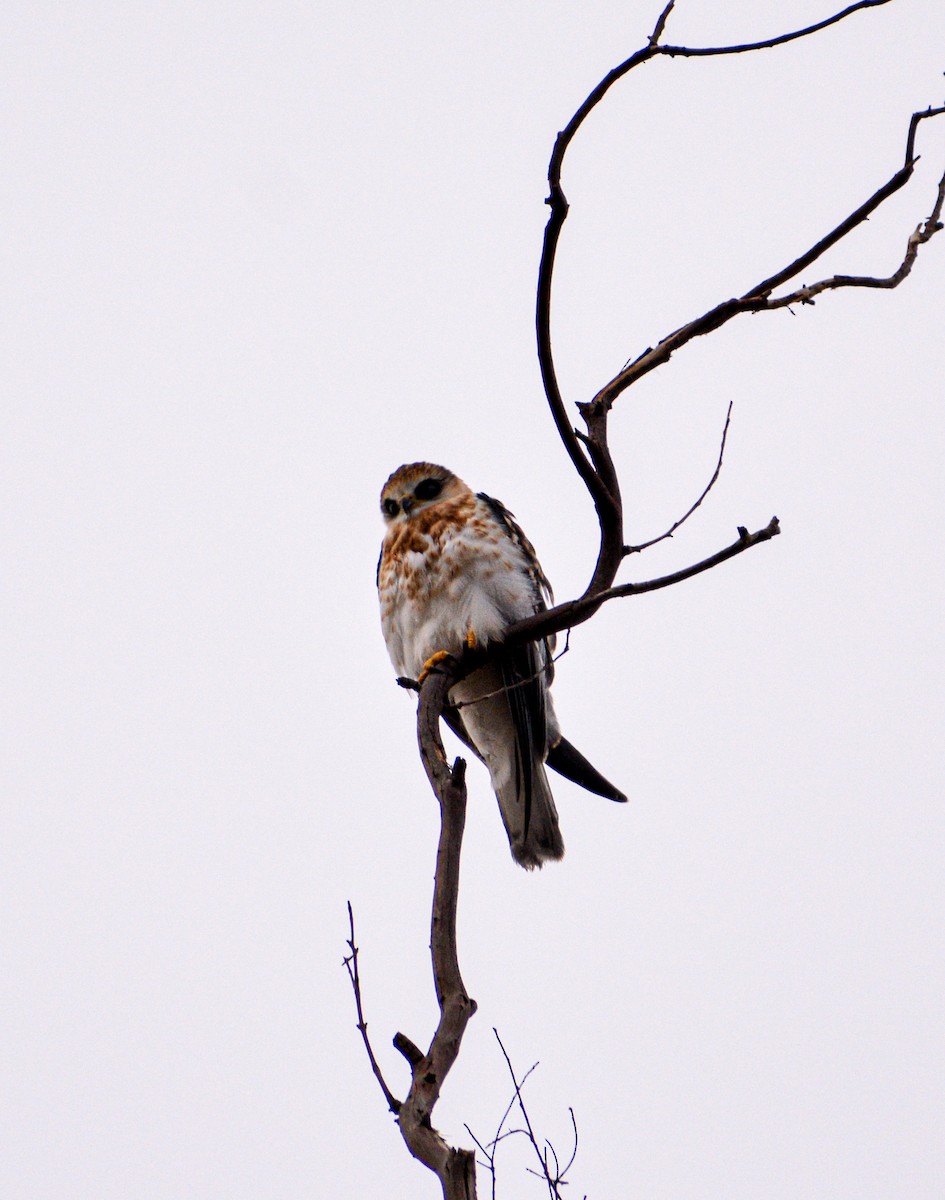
point(455, 1168)
point(760, 298)
point(550, 1168)
point(590, 451)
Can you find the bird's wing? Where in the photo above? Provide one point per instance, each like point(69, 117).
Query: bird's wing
point(538, 666)
point(542, 595)
point(526, 671)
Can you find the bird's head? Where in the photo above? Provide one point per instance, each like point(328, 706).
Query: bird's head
point(416, 486)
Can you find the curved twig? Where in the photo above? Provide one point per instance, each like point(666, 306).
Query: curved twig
point(351, 965)
point(708, 488)
point(769, 43)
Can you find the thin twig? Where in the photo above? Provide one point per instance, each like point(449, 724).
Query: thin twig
point(769, 43)
point(661, 23)
point(555, 1180)
point(522, 1108)
point(708, 488)
point(487, 1160)
point(568, 1165)
point(351, 964)
point(489, 1150)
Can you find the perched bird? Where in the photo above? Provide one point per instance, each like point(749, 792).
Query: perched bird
point(456, 570)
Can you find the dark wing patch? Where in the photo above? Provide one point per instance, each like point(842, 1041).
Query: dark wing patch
point(527, 670)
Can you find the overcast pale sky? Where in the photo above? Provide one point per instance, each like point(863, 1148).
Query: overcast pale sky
point(255, 257)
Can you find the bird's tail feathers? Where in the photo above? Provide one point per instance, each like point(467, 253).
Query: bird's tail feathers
point(515, 761)
point(529, 814)
point(568, 761)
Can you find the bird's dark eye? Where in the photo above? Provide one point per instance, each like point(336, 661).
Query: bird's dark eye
point(428, 489)
point(391, 507)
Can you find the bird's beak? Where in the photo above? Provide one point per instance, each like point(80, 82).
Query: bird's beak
point(406, 504)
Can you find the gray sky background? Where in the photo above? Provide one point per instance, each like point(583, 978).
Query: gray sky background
point(255, 257)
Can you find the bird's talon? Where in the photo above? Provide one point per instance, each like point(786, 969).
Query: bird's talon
point(431, 662)
point(471, 639)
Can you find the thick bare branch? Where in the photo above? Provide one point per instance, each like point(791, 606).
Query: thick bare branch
point(455, 1168)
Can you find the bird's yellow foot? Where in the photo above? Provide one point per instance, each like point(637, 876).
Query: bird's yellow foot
point(471, 639)
point(431, 663)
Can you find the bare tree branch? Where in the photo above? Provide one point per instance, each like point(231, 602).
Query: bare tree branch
point(708, 488)
point(661, 23)
point(521, 1105)
point(590, 452)
point(558, 204)
point(758, 298)
point(769, 43)
point(455, 1168)
point(501, 1134)
point(556, 1179)
point(570, 613)
point(351, 964)
point(553, 1179)
point(919, 237)
point(576, 612)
